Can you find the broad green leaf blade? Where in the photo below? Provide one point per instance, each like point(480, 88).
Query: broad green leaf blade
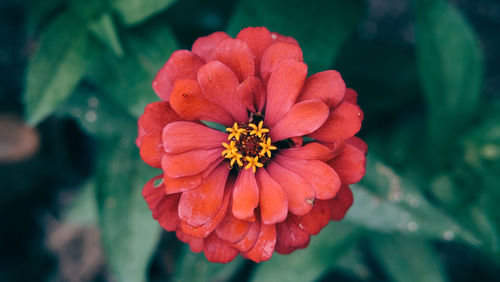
point(105, 30)
point(135, 11)
point(450, 66)
point(127, 80)
point(83, 209)
point(194, 267)
point(398, 207)
point(408, 259)
point(310, 263)
point(61, 60)
point(38, 11)
point(319, 26)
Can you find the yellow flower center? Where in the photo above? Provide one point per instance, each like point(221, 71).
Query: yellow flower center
point(249, 146)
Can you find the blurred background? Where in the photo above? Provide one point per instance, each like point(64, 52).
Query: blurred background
point(76, 74)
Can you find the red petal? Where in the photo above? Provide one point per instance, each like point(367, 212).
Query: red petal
point(314, 221)
point(250, 238)
point(157, 115)
point(283, 88)
point(252, 93)
point(274, 54)
point(299, 192)
point(358, 143)
point(183, 184)
point(218, 251)
point(198, 206)
point(350, 164)
point(204, 230)
point(273, 200)
point(322, 177)
point(231, 229)
point(258, 39)
point(189, 163)
point(351, 96)
point(281, 38)
point(327, 86)
point(310, 151)
point(204, 46)
point(264, 247)
point(219, 83)
point(166, 212)
point(245, 195)
point(237, 55)
point(341, 203)
point(303, 118)
point(151, 149)
point(343, 122)
point(290, 237)
point(151, 193)
point(182, 64)
point(182, 136)
point(196, 244)
point(189, 102)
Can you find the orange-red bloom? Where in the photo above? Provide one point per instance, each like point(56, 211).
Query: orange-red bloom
point(260, 186)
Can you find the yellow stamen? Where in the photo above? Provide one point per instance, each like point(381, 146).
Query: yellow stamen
point(230, 151)
point(267, 147)
point(235, 132)
point(253, 163)
point(237, 158)
point(258, 130)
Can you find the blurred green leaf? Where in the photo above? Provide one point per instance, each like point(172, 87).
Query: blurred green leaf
point(310, 263)
point(408, 259)
point(83, 209)
point(127, 80)
point(320, 27)
point(62, 58)
point(135, 11)
point(105, 30)
point(450, 68)
point(38, 11)
point(398, 207)
point(194, 267)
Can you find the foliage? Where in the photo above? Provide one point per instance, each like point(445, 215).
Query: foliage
point(95, 61)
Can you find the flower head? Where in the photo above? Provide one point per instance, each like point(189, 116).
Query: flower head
point(260, 186)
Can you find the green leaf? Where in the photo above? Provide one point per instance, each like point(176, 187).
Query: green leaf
point(83, 208)
point(61, 60)
point(320, 27)
point(105, 30)
point(38, 11)
point(420, 261)
point(398, 207)
point(127, 80)
point(450, 68)
point(135, 11)
point(194, 267)
point(310, 263)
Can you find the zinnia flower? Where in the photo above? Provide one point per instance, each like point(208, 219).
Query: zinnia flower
point(278, 174)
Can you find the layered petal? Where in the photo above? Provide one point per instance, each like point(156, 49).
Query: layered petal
point(198, 206)
point(245, 195)
point(217, 250)
point(153, 193)
point(351, 96)
point(284, 86)
point(310, 151)
point(349, 164)
point(186, 183)
point(237, 55)
point(276, 53)
point(151, 149)
point(273, 200)
point(219, 85)
point(182, 136)
point(300, 193)
point(196, 244)
point(253, 94)
point(258, 39)
point(358, 143)
point(250, 238)
point(182, 64)
point(232, 229)
point(205, 46)
point(327, 86)
point(344, 121)
point(341, 203)
point(321, 176)
point(165, 212)
point(190, 162)
point(264, 246)
point(188, 101)
point(314, 221)
point(303, 118)
point(289, 237)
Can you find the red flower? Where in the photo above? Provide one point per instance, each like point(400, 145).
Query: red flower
point(260, 186)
